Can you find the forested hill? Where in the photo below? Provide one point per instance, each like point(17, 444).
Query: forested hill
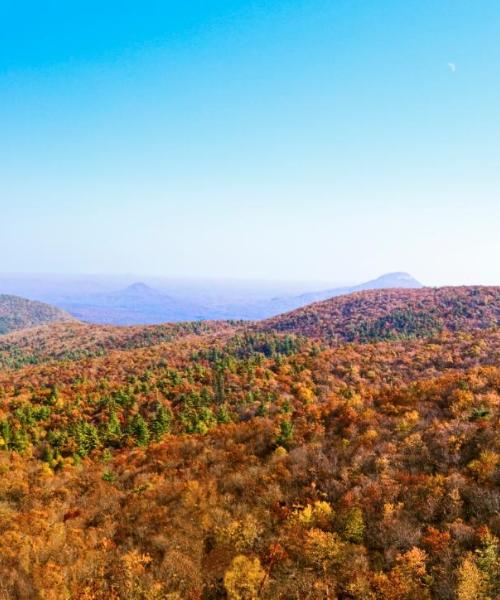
point(19, 313)
point(393, 314)
point(74, 340)
point(235, 461)
point(365, 316)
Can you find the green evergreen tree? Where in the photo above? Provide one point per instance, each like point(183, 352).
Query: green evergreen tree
point(261, 410)
point(113, 429)
point(285, 434)
point(87, 438)
point(223, 414)
point(48, 454)
point(19, 440)
point(140, 430)
point(5, 432)
point(488, 561)
point(219, 388)
point(161, 422)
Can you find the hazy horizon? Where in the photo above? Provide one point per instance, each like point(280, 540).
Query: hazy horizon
point(215, 279)
point(128, 300)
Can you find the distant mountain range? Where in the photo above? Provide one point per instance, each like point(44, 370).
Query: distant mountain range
point(389, 281)
point(137, 304)
point(142, 304)
point(123, 301)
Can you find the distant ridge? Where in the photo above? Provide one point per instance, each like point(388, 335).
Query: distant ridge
point(123, 301)
point(19, 313)
point(398, 279)
point(140, 290)
point(137, 304)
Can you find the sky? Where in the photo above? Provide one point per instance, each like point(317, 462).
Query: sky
point(283, 140)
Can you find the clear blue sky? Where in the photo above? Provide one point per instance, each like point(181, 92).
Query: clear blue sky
point(331, 140)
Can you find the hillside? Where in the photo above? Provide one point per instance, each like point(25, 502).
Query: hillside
point(238, 461)
point(18, 313)
point(393, 314)
point(73, 340)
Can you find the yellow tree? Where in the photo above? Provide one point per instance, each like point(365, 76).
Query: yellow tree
point(243, 578)
point(470, 580)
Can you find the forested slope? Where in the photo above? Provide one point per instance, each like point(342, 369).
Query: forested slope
point(20, 313)
point(394, 314)
point(223, 461)
point(74, 340)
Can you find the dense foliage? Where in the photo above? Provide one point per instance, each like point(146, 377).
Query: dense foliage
point(394, 314)
point(19, 313)
point(238, 461)
point(74, 341)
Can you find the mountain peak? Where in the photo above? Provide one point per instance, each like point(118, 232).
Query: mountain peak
point(398, 279)
point(397, 275)
point(140, 288)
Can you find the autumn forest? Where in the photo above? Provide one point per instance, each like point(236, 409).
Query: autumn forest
point(346, 450)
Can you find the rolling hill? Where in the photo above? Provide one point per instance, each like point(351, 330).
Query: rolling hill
point(73, 340)
point(349, 449)
point(392, 314)
point(19, 313)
